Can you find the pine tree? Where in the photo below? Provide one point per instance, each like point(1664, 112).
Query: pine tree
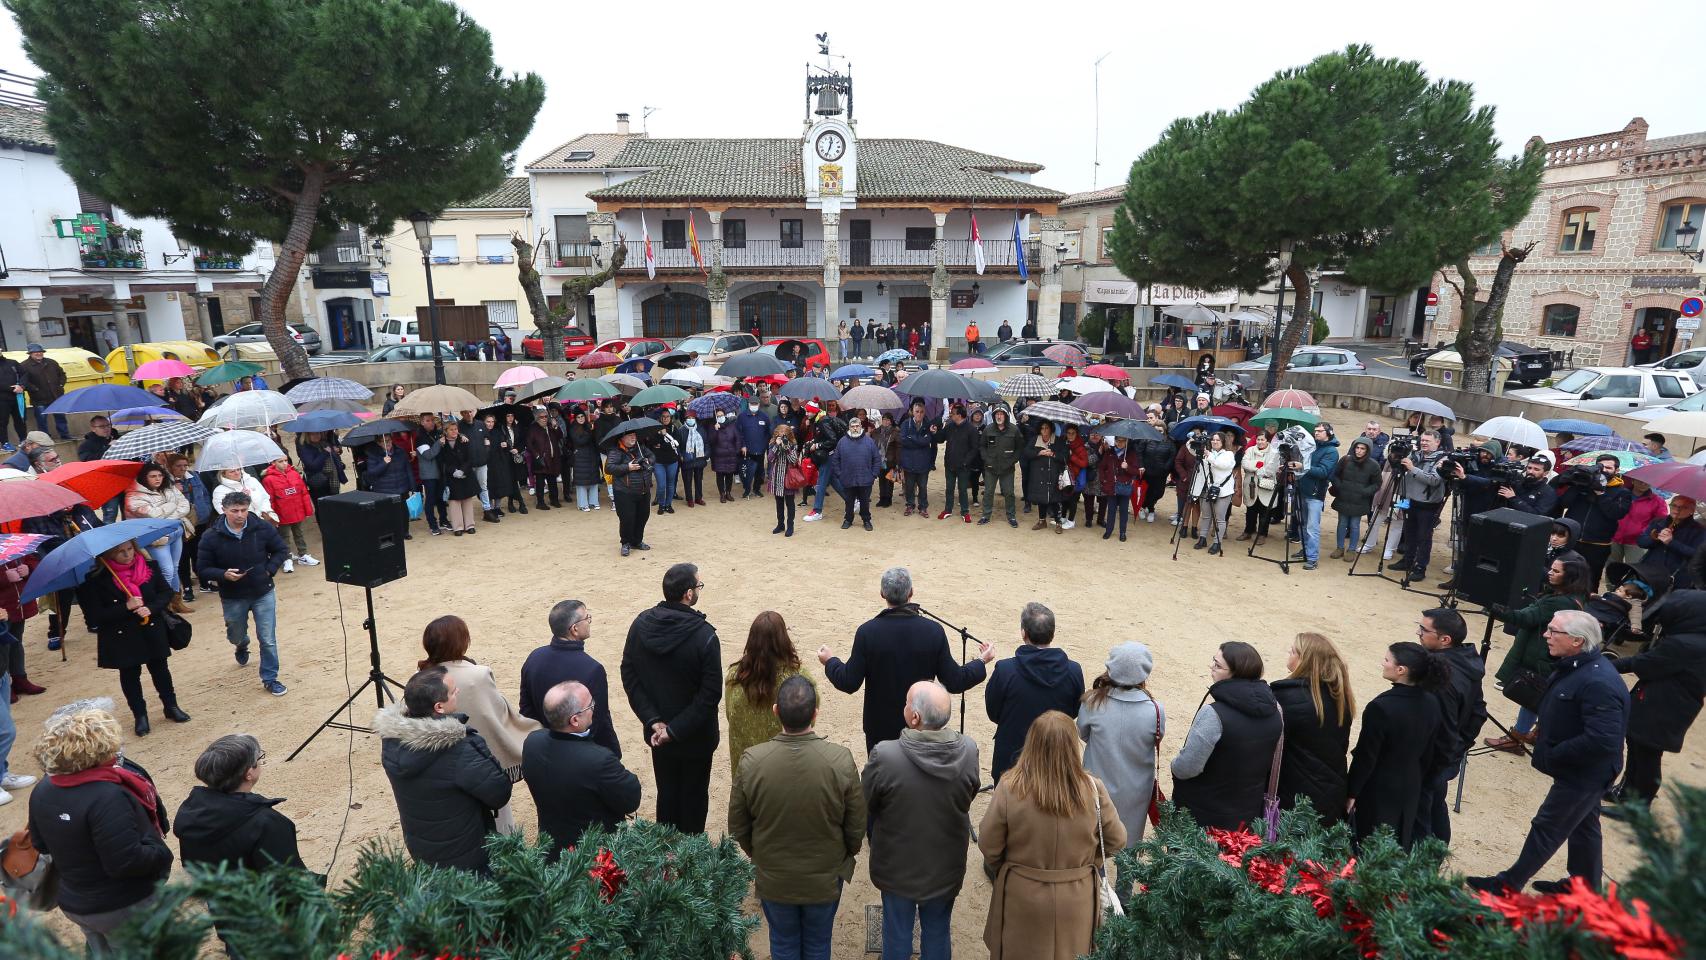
point(255, 121)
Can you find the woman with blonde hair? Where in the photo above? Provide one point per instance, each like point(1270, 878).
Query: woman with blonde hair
point(446, 641)
point(1315, 697)
point(1121, 725)
point(1049, 828)
point(749, 689)
point(779, 456)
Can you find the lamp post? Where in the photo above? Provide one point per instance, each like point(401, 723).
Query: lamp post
point(423, 233)
point(1685, 235)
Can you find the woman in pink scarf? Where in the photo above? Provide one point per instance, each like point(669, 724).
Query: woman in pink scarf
point(125, 600)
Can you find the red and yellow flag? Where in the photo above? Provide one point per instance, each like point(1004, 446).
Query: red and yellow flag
point(693, 241)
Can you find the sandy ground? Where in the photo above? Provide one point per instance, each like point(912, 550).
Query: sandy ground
point(824, 581)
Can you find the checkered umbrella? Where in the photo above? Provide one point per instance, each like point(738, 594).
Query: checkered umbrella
point(711, 403)
point(1056, 411)
point(1589, 444)
point(327, 388)
point(1025, 385)
point(145, 442)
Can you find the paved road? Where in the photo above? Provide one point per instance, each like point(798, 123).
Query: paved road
point(1384, 360)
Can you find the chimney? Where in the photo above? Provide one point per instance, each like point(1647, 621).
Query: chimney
point(621, 123)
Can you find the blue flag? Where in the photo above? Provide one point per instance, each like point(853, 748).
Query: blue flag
point(1019, 249)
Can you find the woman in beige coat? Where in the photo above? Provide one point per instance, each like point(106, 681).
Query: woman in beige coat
point(1041, 846)
point(446, 643)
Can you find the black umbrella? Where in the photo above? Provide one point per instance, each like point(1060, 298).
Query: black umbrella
point(940, 385)
point(522, 413)
point(374, 429)
point(752, 365)
point(1130, 429)
point(636, 425)
point(673, 359)
point(534, 389)
point(810, 388)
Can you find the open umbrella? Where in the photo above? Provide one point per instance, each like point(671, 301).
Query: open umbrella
point(96, 481)
point(625, 383)
point(1111, 403)
point(712, 403)
point(1083, 385)
point(1024, 385)
point(534, 389)
point(1056, 411)
point(1427, 405)
point(1523, 433)
point(1211, 424)
point(143, 416)
point(1108, 372)
point(162, 370)
point(940, 385)
point(439, 398)
point(15, 545)
point(327, 388)
point(752, 365)
point(674, 359)
point(1192, 313)
point(635, 425)
point(1686, 479)
point(1067, 355)
point(655, 396)
point(320, 421)
point(1284, 417)
point(582, 390)
point(810, 388)
point(1691, 424)
point(635, 365)
point(155, 438)
point(1234, 411)
point(342, 406)
point(983, 391)
point(858, 371)
point(374, 429)
point(871, 396)
point(255, 409)
point(28, 497)
point(1176, 381)
point(599, 359)
point(1614, 444)
point(70, 563)
point(228, 372)
point(1293, 398)
point(1581, 428)
point(972, 363)
point(102, 398)
point(1130, 429)
point(1626, 460)
point(516, 376)
point(237, 448)
point(896, 355)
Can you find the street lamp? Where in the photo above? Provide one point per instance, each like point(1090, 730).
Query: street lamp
point(423, 234)
point(1685, 235)
point(597, 258)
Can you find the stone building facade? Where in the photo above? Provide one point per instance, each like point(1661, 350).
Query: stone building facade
point(1605, 262)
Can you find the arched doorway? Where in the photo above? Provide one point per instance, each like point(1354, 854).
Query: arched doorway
point(777, 313)
point(1660, 324)
point(673, 315)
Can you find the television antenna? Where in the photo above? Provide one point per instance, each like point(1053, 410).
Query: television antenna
point(644, 113)
point(1096, 155)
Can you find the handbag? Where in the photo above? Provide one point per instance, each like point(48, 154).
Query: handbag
point(1104, 887)
point(1156, 797)
point(1527, 690)
point(1271, 800)
point(178, 630)
point(416, 504)
point(795, 478)
point(1065, 481)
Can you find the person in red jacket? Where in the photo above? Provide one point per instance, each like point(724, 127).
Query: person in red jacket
point(293, 504)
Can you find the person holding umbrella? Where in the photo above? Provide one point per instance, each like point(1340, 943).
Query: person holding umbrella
point(322, 461)
point(586, 470)
point(724, 440)
point(1044, 456)
point(125, 600)
point(630, 467)
point(387, 471)
point(665, 447)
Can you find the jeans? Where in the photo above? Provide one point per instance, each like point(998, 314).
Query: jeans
point(8, 729)
point(1121, 507)
point(586, 496)
point(858, 346)
point(801, 931)
point(934, 917)
point(1350, 531)
point(827, 477)
point(59, 425)
point(485, 494)
point(959, 480)
point(109, 510)
point(265, 610)
point(916, 487)
point(1525, 720)
point(167, 555)
point(665, 473)
point(1312, 528)
point(433, 505)
point(1568, 816)
point(751, 472)
point(998, 481)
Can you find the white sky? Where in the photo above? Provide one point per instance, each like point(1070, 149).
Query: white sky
point(1016, 79)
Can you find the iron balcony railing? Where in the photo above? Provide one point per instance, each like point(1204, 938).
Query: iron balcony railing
point(956, 254)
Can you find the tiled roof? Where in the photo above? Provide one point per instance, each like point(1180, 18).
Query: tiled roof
point(770, 169)
point(1674, 143)
point(604, 148)
point(1113, 194)
point(511, 194)
point(26, 129)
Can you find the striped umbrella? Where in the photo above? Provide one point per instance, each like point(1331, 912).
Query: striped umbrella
point(1056, 411)
point(1025, 385)
point(327, 388)
point(712, 403)
point(1614, 444)
point(144, 443)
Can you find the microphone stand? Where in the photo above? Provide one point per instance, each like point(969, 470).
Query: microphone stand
point(965, 639)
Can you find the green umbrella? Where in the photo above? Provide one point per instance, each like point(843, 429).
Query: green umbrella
point(662, 393)
point(228, 372)
point(1284, 416)
point(587, 390)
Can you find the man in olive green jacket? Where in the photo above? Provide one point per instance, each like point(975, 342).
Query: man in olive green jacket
point(1000, 447)
point(798, 811)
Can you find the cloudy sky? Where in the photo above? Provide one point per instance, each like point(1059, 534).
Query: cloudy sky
point(1016, 79)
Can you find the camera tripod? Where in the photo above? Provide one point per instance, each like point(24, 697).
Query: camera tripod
point(1211, 493)
point(376, 678)
point(1522, 748)
point(1285, 499)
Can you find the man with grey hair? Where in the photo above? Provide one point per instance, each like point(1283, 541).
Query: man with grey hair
point(918, 794)
point(1038, 678)
point(565, 658)
point(574, 781)
point(1579, 744)
point(1377, 440)
point(892, 651)
point(225, 822)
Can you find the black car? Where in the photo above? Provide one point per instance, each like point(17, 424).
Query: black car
point(1529, 365)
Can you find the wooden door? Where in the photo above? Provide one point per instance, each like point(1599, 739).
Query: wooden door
point(858, 243)
point(914, 314)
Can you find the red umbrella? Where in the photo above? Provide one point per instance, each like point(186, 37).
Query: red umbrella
point(599, 358)
point(1066, 354)
point(1671, 476)
point(1108, 372)
point(28, 497)
point(96, 481)
point(1235, 411)
point(1291, 397)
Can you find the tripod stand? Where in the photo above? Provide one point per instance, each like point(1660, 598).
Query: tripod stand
point(1463, 769)
point(1285, 498)
point(1189, 500)
point(1384, 527)
point(375, 676)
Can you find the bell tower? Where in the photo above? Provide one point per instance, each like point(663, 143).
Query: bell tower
point(829, 149)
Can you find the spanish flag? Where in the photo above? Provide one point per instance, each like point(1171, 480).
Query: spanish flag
point(693, 241)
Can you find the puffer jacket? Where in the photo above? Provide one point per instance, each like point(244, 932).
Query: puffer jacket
point(1042, 474)
point(857, 461)
point(447, 784)
point(588, 466)
point(723, 439)
point(1357, 480)
point(633, 481)
point(168, 503)
point(289, 494)
point(427, 445)
point(917, 446)
point(260, 502)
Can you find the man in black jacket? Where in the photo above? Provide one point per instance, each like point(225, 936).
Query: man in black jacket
point(448, 785)
point(12, 384)
point(672, 672)
point(1037, 679)
point(225, 822)
point(44, 378)
point(960, 439)
point(1669, 686)
point(565, 658)
point(575, 782)
point(1596, 498)
point(1462, 708)
point(242, 554)
point(891, 652)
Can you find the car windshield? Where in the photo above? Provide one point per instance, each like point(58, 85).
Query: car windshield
point(696, 344)
point(1576, 382)
point(1692, 404)
point(769, 349)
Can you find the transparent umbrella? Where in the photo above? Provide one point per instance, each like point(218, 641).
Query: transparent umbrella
point(236, 448)
point(250, 410)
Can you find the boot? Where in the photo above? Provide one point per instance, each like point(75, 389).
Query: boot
point(189, 593)
point(487, 516)
point(1245, 535)
point(178, 606)
point(1336, 554)
point(1040, 524)
point(1201, 544)
point(21, 684)
point(539, 504)
point(142, 727)
point(173, 713)
point(554, 501)
point(521, 508)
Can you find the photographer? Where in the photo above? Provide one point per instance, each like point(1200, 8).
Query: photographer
point(1596, 498)
point(1530, 494)
point(1421, 493)
point(1211, 488)
point(1480, 476)
point(1312, 492)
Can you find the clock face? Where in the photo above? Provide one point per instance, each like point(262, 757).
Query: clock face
point(830, 146)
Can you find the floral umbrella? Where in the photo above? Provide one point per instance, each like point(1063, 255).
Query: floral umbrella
point(1626, 459)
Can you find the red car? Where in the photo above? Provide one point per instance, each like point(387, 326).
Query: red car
point(816, 353)
point(630, 347)
point(576, 344)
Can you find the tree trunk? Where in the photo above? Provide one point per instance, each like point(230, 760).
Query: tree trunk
point(1301, 318)
point(276, 292)
point(551, 323)
point(1477, 341)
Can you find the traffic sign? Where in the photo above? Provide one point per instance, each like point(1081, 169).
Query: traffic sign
point(1691, 307)
point(1433, 299)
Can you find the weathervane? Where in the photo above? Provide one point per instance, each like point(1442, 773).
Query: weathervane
point(826, 83)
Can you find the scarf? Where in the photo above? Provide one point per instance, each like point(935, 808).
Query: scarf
point(695, 445)
point(131, 576)
point(133, 783)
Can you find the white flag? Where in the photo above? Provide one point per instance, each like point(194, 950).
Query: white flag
point(651, 258)
point(976, 245)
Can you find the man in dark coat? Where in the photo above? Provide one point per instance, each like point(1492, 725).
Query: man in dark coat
point(575, 782)
point(1583, 721)
point(563, 659)
point(242, 554)
point(12, 385)
point(918, 438)
point(959, 438)
point(1673, 542)
point(1463, 709)
point(1597, 499)
point(448, 785)
point(1036, 679)
point(44, 378)
point(894, 650)
point(673, 674)
point(999, 450)
point(1670, 683)
point(225, 822)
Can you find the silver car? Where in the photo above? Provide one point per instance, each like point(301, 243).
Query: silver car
point(1310, 360)
point(251, 333)
point(1692, 361)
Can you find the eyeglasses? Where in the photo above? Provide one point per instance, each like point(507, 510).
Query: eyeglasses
point(698, 586)
point(261, 760)
point(586, 709)
point(1554, 632)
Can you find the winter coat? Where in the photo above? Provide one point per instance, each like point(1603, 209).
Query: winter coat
point(121, 638)
point(797, 810)
point(394, 477)
point(1119, 747)
point(1000, 448)
point(1216, 468)
point(479, 446)
point(107, 851)
point(1260, 475)
point(1397, 752)
point(489, 714)
point(892, 651)
point(545, 446)
point(458, 458)
point(1462, 703)
point(672, 673)
point(44, 379)
point(240, 831)
point(1676, 557)
point(564, 659)
point(1584, 719)
point(750, 724)
point(167, 503)
point(289, 493)
point(257, 548)
point(918, 794)
point(1115, 467)
point(1221, 773)
point(260, 501)
point(826, 433)
point(724, 442)
point(500, 464)
point(1022, 688)
point(322, 466)
point(1044, 905)
point(427, 444)
point(754, 430)
point(93, 446)
point(1643, 510)
point(1312, 483)
point(201, 503)
point(1357, 481)
point(636, 482)
point(665, 444)
point(1528, 650)
point(1600, 512)
point(959, 444)
point(1156, 459)
point(1314, 762)
point(778, 457)
point(918, 445)
point(857, 461)
point(1042, 473)
point(447, 784)
point(586, 467)
point(1670, 674)
point(576, 783)
point(1184, 467)
point(691, 437)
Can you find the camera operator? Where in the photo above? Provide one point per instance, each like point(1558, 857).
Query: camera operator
point(1312, 492)
point(1421, 494)
point(1596, 498)
point(1478, 484)
point(1531, 493)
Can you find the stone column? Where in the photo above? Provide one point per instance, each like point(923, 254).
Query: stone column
point(831, 277)
point(602, 227)
point(940, 284)
point(717, 284)
point(30, 312)
point(1051, 232)
point(199, 312)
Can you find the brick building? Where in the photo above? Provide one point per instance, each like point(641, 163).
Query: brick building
point(1605, 261)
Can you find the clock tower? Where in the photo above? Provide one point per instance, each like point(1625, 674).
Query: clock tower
point(829, 149)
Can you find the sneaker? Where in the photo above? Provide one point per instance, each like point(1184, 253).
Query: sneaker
point(290, 565)
point(53, 643)
point(813, 516)
point(308, 560)
point(1012, 522)
point(1309, 565)
point(437, 532)
point(942, 516)
point(595, 506)
point(908, 512)
point(275, 688)
point(982, 520)
point(242, 655)
point(1067, 524)
point(5, 798)
point(17, 781)
point(966, 517)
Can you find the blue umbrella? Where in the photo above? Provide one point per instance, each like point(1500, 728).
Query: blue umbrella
point(712, 403)
point(1581, 428)
point(142, 416)
point(894, 355)
point(320, 421)
point(638, 365)
point(1591, 444)
point(70, 563)
point(1174, 380)
point(102, 398)
point(1211, 424)
point(853, 370)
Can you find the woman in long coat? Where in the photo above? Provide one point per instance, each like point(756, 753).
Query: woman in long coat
point(1315, 697)
point(587, 470)
point(500, 465)
point(125, 600)
point(456, 463)
point(1397, 749)
point(724, 441)
point(509, 442)
point(1356, 481)
point(446, 641)
point(1044, 456)
point(1121, 726)
point(545, 447)
point(1042, 840)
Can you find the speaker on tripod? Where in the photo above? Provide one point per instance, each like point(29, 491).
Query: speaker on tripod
point(1504, 553)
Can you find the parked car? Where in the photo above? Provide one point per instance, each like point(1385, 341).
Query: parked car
point(576, 344)
point(629, 348)
point(1312, 359)
point(1688, 360)
point(398, 352)
point(717, 347)
point(816, 352)
point(1029, 353)
point(251, 333)
point(397, 330)
point(1613, 389)
point(1692, 404)
point(1529, 365)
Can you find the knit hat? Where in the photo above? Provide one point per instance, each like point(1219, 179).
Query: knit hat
point(811, 406)
point(1129, 663)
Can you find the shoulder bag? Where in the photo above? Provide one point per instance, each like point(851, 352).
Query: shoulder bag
point(1104, 887)
point(1156, 797)
point(178, 631)
point(1528, 688)
point(1271, 801)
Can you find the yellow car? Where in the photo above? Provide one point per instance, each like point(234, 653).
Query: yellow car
point(82, 368)
point(196, 354)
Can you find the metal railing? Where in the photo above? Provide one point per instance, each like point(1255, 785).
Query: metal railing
point(770, 253)
point(956, 254)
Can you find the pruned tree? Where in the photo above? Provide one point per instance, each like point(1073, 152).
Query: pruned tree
point(552, 321)
point(276, 121)
point(1351, 162)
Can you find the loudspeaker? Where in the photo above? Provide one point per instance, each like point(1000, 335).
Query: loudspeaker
point(1504, 554)
point(363, 537)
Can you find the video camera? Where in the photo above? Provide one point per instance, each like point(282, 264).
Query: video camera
point(1504, 473)
point(1399, 448)
point(1198, 442)
point(1583, 476)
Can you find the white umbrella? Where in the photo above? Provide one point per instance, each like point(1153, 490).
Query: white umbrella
point(697, 376)
point(1523, 433)
point(1082, 385)
point(251, 410)
point(1690, 424)
point(231, 449)
point(1192, 312)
